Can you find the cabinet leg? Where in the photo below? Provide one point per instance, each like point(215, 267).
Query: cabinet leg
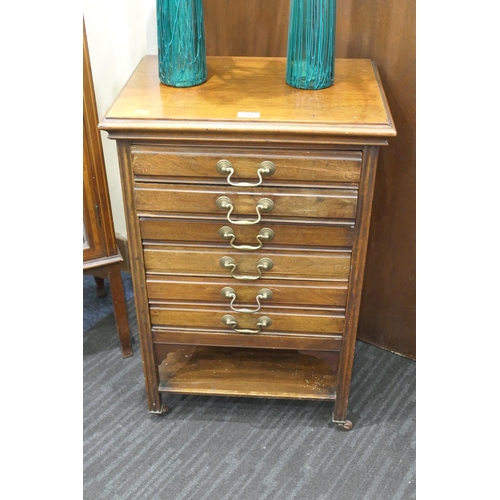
point(164, 409)
point(99, 283)
point(346, 424)
point(340, 419)
point(157, 403)
point(120, 309)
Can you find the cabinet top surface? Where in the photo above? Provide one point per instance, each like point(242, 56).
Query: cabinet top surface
point(250, 94)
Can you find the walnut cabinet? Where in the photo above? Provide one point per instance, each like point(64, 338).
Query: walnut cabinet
point(101, 256)
point(248, 209)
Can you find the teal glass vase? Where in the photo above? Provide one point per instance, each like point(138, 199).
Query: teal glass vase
point(311, 44)
point(181, 42)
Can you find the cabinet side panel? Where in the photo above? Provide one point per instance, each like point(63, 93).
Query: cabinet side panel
point(356, 279)
point(139, 279)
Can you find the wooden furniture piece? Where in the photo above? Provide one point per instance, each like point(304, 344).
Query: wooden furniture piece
point(248, 209)
point(101, 257)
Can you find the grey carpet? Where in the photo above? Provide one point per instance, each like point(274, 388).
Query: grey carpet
point(95, 308)
point(221, 448)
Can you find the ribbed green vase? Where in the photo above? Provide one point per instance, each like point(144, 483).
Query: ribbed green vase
point(181, 42)
point(311, 44)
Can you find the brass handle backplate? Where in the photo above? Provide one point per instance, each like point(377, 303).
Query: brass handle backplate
point(224, 167)
point(225, 203)
point(262, 322)
point(265, 234)
point(263, 264)
point(263, 294)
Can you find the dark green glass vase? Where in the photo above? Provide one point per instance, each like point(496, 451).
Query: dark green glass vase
point(311, 44)
point(181, 42)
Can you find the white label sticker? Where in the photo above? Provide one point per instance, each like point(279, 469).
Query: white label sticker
point(248, 114)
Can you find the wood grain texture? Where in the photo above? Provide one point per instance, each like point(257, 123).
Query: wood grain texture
point(192, 261)
point(295, 207)
point(356, 280)
point(299, 203)
point(100, 251)
point(138, 277)
point(285, 293)
point(209, 318)
point(328, 344)
point(190, 230)
point(97, 213)
point(120, 309)
point(200, 166)
point(388, 309)
point(353, 107)
point(249, 28)
point(247, 372)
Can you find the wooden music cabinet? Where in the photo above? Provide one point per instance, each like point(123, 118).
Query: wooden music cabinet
point(248, 208)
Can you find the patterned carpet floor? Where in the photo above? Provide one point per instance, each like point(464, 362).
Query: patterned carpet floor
point(221, 448)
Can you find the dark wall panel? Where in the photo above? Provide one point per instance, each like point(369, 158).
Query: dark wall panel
point(246, 28)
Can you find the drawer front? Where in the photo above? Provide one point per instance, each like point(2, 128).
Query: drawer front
point(215, 276)
point(197, 231)
point(308, 342)
point(188, 261)
point(284, 293)
point(291, 204)
point(283, 321)
point(308, 168)
point(164, 338)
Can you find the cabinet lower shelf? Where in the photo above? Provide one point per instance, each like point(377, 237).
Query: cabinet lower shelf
point(270, 373)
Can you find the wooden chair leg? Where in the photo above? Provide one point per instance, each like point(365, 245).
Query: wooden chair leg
point(120, 308)
point(101, 291)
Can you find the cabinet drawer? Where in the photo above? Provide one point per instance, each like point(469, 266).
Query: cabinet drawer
point(213, 231)
point(309, 168)
point(284, 293)
point(188, 261)
point(210, 318)
point(289, 203)
point(308, 341)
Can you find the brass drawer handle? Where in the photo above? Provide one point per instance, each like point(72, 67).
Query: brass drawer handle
point(264, 205)
point(263, 264)
point(262, 322)
point(265, 168)
point(265, 234)
point(264, 294)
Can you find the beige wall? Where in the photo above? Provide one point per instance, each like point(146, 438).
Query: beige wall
point(119, 34)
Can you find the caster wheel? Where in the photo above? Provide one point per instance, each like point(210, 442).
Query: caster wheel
point(347, 425)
